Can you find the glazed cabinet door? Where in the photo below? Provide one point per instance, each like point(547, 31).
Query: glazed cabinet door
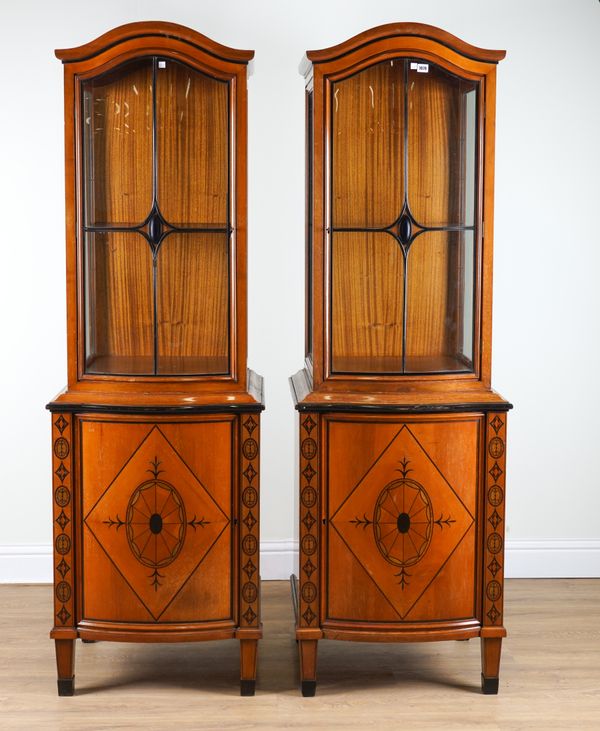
point(156, 506)
point(402, 244)
point(401, 515)
point(156, 213)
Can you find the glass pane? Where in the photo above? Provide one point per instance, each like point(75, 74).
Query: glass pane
point(441, 146)
point(193, 304)
point(367, 303)
point(367, 147)
point(118, 304)
point(117, 145)
point(440, 300)
point(192, 114)
point(309, 224)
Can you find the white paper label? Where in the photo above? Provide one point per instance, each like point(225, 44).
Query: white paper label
point(162, 64)
point(421, 68)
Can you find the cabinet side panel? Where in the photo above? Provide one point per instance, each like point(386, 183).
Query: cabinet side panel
point(249, 574)
point(310, 510)
point(495, 478)
point(62, 504)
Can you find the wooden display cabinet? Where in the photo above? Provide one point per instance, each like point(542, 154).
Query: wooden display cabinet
point(402, 439)
point(156, 437)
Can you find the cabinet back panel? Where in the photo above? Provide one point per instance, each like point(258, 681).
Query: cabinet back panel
point(119, 302)
point(367, 301)
point(368, 146)
point(193, 145)
point(117, 136)
point(192, 301)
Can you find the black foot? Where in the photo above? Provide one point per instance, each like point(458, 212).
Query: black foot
point(308, 688)
point(247, 687)
point(89, 642)
point(489, 686)
point(66, 687)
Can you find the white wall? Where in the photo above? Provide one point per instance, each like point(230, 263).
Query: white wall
point(547, 297)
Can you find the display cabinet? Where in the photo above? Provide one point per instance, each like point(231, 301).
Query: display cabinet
point(156, 437)
point(402, 439)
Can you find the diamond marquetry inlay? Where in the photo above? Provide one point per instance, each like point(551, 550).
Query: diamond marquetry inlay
point(403, 514)
point(156, 522)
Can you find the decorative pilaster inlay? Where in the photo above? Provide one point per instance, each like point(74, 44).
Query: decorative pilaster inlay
point(495, 473)
point(62, 504)
point(308, 615)
point(249, 522)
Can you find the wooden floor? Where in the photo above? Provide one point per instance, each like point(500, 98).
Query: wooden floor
point(550, 674)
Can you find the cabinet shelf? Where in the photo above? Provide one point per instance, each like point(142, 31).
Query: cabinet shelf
point(388, 365)
point(115, 365)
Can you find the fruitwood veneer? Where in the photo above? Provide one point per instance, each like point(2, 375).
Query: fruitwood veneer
point(402, 441)
point(156, 437)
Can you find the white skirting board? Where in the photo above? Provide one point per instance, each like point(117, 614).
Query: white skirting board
point(32, 564)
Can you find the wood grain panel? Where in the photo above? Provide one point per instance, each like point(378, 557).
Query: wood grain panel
point(119, 301)
point(206, 594)
point(110, 595)
point(437, 146)
point(193, 303)
point(193, 144)
point(199, 444)
point(403, 520)
point(367, 300)
point(117, 128)
point(157, 520)
point(428, 283)
point(452, 595)
point(454, 447)
point(368, 141)
point(352, 593)
point(436, 300)
point(111, 444)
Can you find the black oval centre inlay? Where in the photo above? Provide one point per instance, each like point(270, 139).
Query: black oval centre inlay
point(405, 229)
point(154, 229)
point(403, 523)
point(156, 523)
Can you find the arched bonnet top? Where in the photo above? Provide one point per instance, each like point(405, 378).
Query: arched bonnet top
point(153, 29)
point(400, 30)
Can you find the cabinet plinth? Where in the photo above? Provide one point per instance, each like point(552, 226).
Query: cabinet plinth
point(402, 440)
point(156, 438)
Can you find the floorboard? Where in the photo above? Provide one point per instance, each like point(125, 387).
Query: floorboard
point(550, 674)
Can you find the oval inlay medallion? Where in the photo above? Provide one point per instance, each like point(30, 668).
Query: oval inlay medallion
point(155, 523)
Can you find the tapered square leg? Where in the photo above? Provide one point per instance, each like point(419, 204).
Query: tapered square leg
point(308, 666)
point(491, 648)
point(65, 666)
point(248, 655)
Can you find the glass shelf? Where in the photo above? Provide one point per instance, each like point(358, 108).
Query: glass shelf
point(167, 365)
